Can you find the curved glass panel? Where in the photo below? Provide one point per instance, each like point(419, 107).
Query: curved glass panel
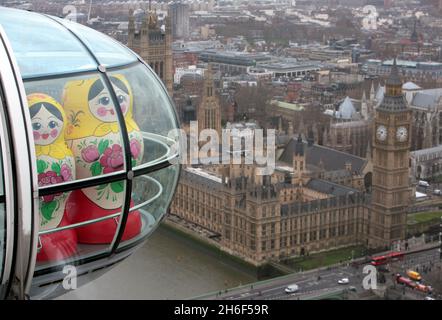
point(42, 46)
point(151, 196)
point(153, 115)
point(86, 228)
point(107, 51)
point(75, 128)
point(2, 220)
point(5, 233)
point(80, 151)
point(77, 137)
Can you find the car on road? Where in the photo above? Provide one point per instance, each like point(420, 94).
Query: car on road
point(437, 192)
point(429, 298)
point(292, 288)
point(352, 288)
point(344, 281)
point(423, 183)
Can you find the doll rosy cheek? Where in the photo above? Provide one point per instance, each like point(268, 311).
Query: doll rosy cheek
point(54, 133)
point(102, 111)
point(36, 135)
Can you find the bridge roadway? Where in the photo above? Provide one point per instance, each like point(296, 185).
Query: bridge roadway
point(311, 287)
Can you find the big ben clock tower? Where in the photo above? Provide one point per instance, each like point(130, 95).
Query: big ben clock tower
point(391, 148)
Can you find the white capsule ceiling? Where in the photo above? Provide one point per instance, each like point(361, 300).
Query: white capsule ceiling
point(86, 158)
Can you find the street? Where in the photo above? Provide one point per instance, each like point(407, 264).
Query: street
point(317, 282)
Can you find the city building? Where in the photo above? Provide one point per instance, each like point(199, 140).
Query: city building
point(153, 43)
point(209, 113)
point(263, 218)
point(350, 127)
point(319, 53)
point(290, 69)
point(191, 70)
point(427, 118)
point(180, 14)
point(426, 107)
point(426, 164)
point(391, 169)
point(317, 198)
point(232, 62)
point(409, 70)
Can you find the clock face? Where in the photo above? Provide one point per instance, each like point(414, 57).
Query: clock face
point(381, 133)
point(401, 134)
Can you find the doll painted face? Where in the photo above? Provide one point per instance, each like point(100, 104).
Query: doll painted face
point(47, 123)
point(100, 102)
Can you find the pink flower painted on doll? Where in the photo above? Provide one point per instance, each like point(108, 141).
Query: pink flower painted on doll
point(112, 159)
point(90, 154)
point(66, 172)
point(49, 178)
point(135, 148)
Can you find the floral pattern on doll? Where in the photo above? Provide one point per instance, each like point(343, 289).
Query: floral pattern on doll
point(94, 134)
point(54, 159)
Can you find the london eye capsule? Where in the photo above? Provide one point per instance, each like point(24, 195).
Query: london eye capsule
point(86, 170)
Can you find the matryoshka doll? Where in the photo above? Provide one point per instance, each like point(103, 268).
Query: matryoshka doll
point(55, 164)
point(95, 139)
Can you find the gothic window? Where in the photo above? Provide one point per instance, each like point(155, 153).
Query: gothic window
point(252, 244)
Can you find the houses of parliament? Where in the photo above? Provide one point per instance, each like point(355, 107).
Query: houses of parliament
point(317, 199)
point(152, 43)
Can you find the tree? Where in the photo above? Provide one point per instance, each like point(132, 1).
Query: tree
point(252, 102)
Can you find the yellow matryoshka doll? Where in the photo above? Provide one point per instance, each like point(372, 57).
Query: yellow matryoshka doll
point(55, 164)
point(95, 139)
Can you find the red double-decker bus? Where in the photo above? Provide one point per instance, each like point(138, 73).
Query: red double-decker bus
point(388, 258)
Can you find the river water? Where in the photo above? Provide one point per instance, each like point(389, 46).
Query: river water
point(168, 266)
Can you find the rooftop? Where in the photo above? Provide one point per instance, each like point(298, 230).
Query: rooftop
point(330, 159)
point(330, 188)
point(427, 98)
point(287, 105)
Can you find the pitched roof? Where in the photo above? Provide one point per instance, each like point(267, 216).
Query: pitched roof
point(346, 109)
point(328, 187)
point(287, 105)
point(410, 86)
point(332, 160)
point(427, 98)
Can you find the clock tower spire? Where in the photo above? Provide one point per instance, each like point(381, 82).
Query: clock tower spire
point(391, 149)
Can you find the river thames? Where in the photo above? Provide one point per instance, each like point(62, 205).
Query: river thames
point(168, 266)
